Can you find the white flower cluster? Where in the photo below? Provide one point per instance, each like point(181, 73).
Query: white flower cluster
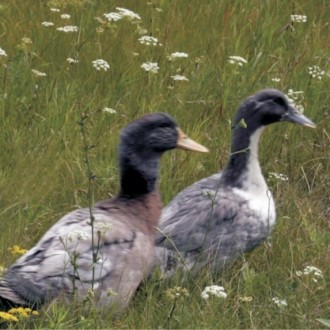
point(109, 110)
point(275, 79)
point(299, 18)
point(122, 13)
point(68, 28)
point(176, 55)
point(280, 302)
point(102, 226)
point(148, 40)
point(238, 60)
point(55, 10)
point(316, 72)
point(100, 64)
point(278, 176)
point(47, 24)
point(178, 77)
point(77, 235)
point(38, 73)
point(214, 290)
point(72, 60)
point(296, 98)
point(150, 67)
point(2, 52)
point(315, 272)
point(65, 16)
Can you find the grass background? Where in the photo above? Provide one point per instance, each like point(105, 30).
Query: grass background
point(42, 169)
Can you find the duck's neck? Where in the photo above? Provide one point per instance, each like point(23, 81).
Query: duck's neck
point(243, 169)
point(138, 174)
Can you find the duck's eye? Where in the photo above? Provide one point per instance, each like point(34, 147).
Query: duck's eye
point(280, 101)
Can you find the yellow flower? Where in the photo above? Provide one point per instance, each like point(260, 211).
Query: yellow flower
point(8, 317)
point(16, 250)
point(176, 293)
point(20, 312)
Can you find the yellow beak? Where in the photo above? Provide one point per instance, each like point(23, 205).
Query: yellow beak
point(184, 142)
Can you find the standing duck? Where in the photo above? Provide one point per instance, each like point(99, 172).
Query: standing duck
point(215, 220)
point(110, 264)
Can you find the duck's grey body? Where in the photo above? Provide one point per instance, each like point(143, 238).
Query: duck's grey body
point(216, 219)
point(62, 261)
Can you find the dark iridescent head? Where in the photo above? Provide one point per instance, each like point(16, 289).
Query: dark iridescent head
point(142, 143)
point(266, 107)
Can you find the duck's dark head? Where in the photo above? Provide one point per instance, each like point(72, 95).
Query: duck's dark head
point(266, 107)
point(142, 143)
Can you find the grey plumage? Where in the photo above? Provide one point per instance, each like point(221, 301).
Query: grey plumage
point(218, 218)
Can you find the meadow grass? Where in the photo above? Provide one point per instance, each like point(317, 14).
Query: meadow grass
point(42, 168)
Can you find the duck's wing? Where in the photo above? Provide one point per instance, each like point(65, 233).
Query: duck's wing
point(63, 260)
point(209, 225)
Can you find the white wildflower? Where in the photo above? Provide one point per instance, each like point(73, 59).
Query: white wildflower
point(38, 73)
point(279, 176)
point(179, 77)
point(65, 16)
point(2, 52)
point(275, 79)
point(113, 17)
point(77, 235)
point(72, 60)
point(47, 24)
point(150, 67)
point(299, 18)
point(100, 64)
point(310, 270)
point(176, 55)
point(238, 60)
point(316, 72)
point(296, 98)
point(68, 28)
point(280, 302)
point(55, 10)
point(109, 110)
point(102, 227)
point(148, 40)
point(214, 290)
point(128, 14)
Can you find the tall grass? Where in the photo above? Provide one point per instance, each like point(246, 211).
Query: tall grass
point(42, 169)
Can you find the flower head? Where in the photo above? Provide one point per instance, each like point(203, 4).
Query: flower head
point(176, 55)
point(296, 98)
point(47, 24)
point(280, 302)
point(214, 290)
point(113, 17)
point(278, 176)
point(17, 251)
point(66, 16)
point(275, 79)
point(178, 77)
point(311, 271)
point(128, 14)
point(109, 110)
point(72, 60)
point(8, 317)
point(2, 52)
point(68, 28)
point(238, 60)
point(316, 72)
point(55, 10)
point(150, 67)
point(100, 64)
point(77, 235)
point(299, 18)
point(38, 73)
point(148, 40)
point(176, 293)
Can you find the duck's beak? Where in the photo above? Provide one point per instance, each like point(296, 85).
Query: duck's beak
point(295, 116)
point(184, 142)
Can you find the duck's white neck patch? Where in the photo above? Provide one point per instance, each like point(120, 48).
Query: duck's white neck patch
point(254, 188)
